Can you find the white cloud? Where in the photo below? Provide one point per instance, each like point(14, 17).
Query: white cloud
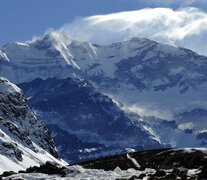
point(176, 3)
point(188, 125)
point(185, 27)
point(147, 110)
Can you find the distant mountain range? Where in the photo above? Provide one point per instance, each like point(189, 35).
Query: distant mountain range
point(108, 99)
point(98, 126)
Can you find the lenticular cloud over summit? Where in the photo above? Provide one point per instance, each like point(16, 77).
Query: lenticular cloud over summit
point(184, 27)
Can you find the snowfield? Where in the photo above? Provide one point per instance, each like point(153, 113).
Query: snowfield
point(81, 173)
point(153, 164)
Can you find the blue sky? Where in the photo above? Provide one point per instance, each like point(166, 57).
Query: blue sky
point(22, 19)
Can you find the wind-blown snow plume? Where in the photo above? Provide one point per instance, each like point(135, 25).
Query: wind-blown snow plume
point(184, 27)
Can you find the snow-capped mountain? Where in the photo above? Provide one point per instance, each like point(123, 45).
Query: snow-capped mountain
point(137, 66)
point(150, 79)
point(24, 140)
point(143, 63)
point(96, 124)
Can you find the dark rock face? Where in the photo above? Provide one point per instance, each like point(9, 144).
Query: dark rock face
point(19, 123)
point(49, 168)
point(76, 107)
point(7, 173)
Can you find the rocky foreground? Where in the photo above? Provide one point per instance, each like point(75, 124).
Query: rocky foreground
point(153, 164)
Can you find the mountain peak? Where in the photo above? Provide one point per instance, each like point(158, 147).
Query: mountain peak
point(55, 37)
point(138, 39)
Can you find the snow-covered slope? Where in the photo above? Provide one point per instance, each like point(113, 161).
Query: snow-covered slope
point(24, 140)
